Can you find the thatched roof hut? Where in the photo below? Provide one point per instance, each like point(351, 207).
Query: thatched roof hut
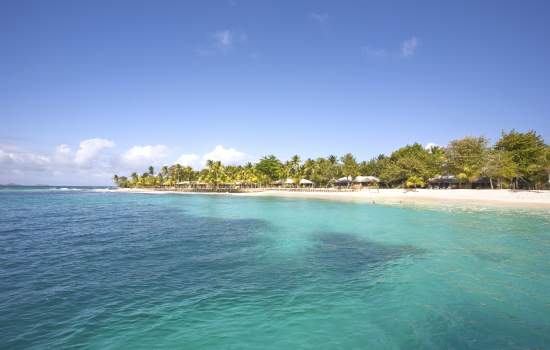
point(366, 179)
point(343, 181)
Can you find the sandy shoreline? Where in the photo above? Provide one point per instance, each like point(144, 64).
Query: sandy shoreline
point(507, 198)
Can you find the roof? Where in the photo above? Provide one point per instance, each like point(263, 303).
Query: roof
point(306, 182)
point(289, 181)
point(345, 179)
point(444, 178)
point(366, 179)
point(482, 180)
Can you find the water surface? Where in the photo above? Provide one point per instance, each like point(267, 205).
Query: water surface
point(87, 268)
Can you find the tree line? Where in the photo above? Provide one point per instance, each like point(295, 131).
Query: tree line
point(516, 160)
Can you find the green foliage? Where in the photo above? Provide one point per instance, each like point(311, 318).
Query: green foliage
point(270, 167)
point(517, 159)
point(500, 166)
point(467, 156)
point(414, 182)
point(349, 165)
point(215, 173)
point(528, 152)
point(411, 161)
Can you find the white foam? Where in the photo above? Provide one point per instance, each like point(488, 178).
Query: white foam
point(103, 190)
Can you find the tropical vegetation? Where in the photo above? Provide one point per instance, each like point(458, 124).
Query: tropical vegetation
point(516, 160)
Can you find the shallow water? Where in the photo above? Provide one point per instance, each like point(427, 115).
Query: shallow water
point(88, 268)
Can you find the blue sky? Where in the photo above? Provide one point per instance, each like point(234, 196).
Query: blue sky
point(92, 87)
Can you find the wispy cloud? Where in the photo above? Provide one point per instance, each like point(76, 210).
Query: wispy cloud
point(374, 52)
point(318, 17)
point(223, 41)
point(409, 46)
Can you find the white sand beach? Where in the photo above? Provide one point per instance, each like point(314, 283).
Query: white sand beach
point(463, 197)
point(519, 199)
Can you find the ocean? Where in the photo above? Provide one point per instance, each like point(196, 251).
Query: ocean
point(91, 268)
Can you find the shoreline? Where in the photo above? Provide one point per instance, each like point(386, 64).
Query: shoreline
point(462, 197)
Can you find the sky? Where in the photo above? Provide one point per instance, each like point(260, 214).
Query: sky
point(93, 88)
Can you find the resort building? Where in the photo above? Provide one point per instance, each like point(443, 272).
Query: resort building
point(365, 181)
point(443, 182)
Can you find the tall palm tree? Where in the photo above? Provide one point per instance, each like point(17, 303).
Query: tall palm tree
point(178, 173)
point(295, 164)
point(333, 160)
point(151, 170)
point(215, 174)
point(135, 178)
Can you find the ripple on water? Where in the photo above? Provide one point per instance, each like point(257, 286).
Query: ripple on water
point(110, 270)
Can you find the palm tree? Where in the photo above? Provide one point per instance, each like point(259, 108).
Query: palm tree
point(349, 165)
point(151, 170)
point(334, 170)
point(215, 173)
point(295, 164)
point(135, 178)
point(178, 173)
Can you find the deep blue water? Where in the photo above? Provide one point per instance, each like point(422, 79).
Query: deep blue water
point(102, 270)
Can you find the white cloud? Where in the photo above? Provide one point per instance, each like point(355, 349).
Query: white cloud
point(145, 155)
point(88, 165)
point(88, 150)
point(191, 160)
point(92, 163)
point(63, 149)
point(228, 156)
point(430, 145)
point(63, 154)
point(374, 52)
point(321, 18)
point(14, 158)
point(408, 47)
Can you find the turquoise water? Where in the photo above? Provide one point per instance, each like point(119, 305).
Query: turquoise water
point(101, 270)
